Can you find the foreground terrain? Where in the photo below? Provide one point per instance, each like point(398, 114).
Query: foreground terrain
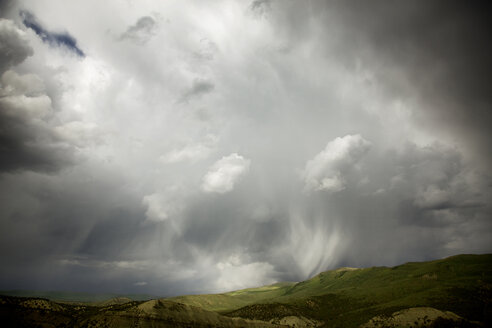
point(453, 292)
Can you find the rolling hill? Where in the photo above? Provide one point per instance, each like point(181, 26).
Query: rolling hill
point(348, 297)
point(456, 291)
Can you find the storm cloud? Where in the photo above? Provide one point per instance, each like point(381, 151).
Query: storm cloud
point(28, 141)
point(195, 148)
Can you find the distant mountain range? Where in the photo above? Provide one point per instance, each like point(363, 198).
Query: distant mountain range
point(453, 292)
point(62, 296)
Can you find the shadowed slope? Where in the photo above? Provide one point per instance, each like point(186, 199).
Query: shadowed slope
point(30, 312)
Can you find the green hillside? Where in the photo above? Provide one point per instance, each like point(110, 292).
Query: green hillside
point(235, 299)
point(452, 292)
point(349, 297)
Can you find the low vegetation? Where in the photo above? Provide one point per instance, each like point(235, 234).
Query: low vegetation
point(453, 292)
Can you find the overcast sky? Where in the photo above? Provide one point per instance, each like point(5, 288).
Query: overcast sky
point(174, 147)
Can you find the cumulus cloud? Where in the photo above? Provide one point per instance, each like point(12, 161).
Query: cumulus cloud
point(14, 46)
point(326, 170)
point(23, 96)
point(15, 84)
point(225, 173)
point(30, 137)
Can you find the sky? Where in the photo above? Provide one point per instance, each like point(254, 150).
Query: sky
point(182, 147)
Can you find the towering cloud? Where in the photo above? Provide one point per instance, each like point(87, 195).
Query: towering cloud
point(173, 147)
point(28, 140)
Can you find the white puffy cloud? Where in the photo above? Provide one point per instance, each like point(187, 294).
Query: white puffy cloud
point(326, 170)
point(223, 175)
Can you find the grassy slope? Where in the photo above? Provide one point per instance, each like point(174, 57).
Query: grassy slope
point(236, 299)
point(460, 284)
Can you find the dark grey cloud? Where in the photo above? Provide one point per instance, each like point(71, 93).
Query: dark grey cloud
point(141, 31)
point(198, 88)
point(439, 48)
point(429, 202)
point(53, 38)
point(21, 148)
point(435, 52)
point(76, 218)
point(260, 7)
point(27, 141)
point(5, 7)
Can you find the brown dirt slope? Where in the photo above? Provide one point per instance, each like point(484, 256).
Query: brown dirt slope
point(418, 317)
